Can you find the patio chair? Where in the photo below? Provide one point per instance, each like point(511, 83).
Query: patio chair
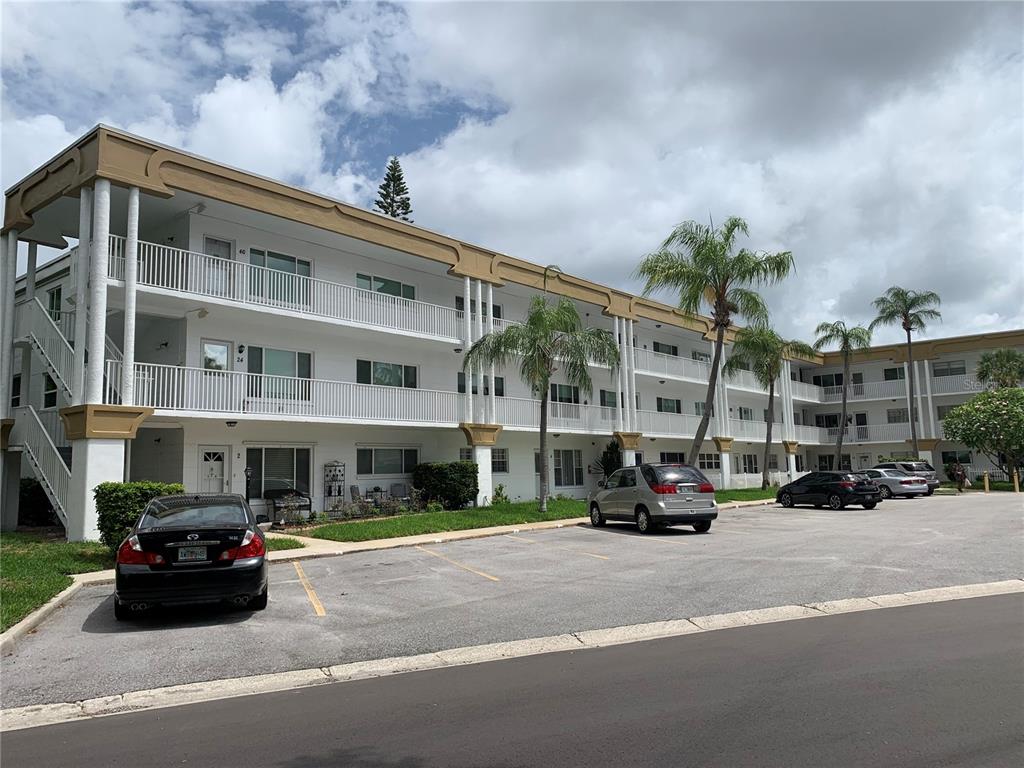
point(399, 491)
point(354, 494)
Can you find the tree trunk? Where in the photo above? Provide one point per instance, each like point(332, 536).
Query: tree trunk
point(842, 416)
point(768, 434)
point(910, 388)
point(544, 451)
point(709, 400)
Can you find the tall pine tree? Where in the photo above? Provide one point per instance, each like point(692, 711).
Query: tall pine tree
point(392, 194)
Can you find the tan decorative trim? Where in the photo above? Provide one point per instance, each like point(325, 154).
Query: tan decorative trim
point(6, 425)
point(628, 441)
point(791, 447)
point(926, 443)
point(723, 444)
point(480, 434)
point(929, 349)
point(110, 422)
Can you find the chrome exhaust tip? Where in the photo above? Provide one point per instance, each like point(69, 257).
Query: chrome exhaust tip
point(241, 600)
point(139, 606)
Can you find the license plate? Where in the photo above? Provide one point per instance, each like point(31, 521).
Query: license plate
point(191, 554)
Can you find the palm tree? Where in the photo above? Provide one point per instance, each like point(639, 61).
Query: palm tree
point(847, 340)
point(552, 336)
point(701, 263)
point(1002, 368)
point(911, 310)
point(762, 351)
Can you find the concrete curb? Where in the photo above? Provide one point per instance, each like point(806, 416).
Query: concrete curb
point(48, 714)
point(13, 634)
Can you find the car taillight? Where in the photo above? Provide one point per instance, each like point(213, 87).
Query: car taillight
point(847, 484)
point(251, 546)
point(130, 553)
point(705, 488)
point(663, 488)
point(908, 482)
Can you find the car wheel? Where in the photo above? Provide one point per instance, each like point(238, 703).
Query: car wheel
point(929, 492)
point(870, 505)
point(835, 501)
point(786, 499)
point(259, 602)
point(885, 491)
point(702, 527)
point(596, 518)
point(121, 612)
point(643, 521)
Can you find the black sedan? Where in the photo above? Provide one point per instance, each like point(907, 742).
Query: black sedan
point(837, 489)
point(185, 549)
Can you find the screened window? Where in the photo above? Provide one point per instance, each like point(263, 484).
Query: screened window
point(386, 461)
point(952, 457)
point(216, 247)
point(669, 405)
point(666, 349)
point(385, 374)
point(897, 416)
point(701, 357)
point(943, 410)
point(54, 303)
point(698, 408)
point(279, 362)
point(385, 285)
point(828, 379)
point(568, 468)
point(564, 393)
point(499, 384)
point(16, 390)
point(709, 461)
point(773, 462)
point(745, 414)
point(951, 368)
point(893, 374)
point(216, 355)
point(465, 454)
point(609, 399)
point(460, 305)
point(799, 463)
point(49, 392)
point(275, 468)
point(279, 288)
point(672, 457)
point(750, 464)
point(499, 460)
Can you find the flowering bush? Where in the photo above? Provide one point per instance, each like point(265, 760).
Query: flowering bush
point(993, 424)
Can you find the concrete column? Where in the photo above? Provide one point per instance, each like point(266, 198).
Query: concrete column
point(468, 333)
point(619, 400)
point(131, 267)
point(484, 480)
point(631, 376)
point(93, 461)
point(81, 294)
point(931, 403)
point(791, 461)
point(480, 335)
point(922, 428)
point(10, 476)
point(786, 391)
point(906, 393)
point(98, 291)
point(9, 252)
point(723, 392)
point(629, 458)
point(492, 401)
point(725, 459)
point(30, 274)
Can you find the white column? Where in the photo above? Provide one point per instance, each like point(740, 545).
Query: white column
point(791, 457)
point(726, 461)
point(629, 458)
point(906, 392)
point(9, 251)
point(131, 265)
point(30, 274)
point(94, 461)
point(484, 479)
point(98, 291)
point(468, 343)
point(493, 402)
point(723, 393)
point(631, 373)
point(920, 402)
point(81, 294)
point(619, 399)
point(786, 387)
point(931, 404)
point(480, 335)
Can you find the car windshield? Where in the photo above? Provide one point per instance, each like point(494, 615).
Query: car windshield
point(856, 477)
point(675, 474)
point(897, 473)
point(194, 514)
point(918, 466)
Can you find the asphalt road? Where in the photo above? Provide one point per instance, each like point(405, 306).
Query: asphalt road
point(415, 600)
point(939, 684)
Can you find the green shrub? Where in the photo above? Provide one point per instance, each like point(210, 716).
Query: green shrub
point(434, 506)
point(500, 497)
point(453, 483)
point(118, 506)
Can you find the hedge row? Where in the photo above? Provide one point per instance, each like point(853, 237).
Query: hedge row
point(119, 505)
point(450, 483)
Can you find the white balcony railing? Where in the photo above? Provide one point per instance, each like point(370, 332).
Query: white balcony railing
point(871, 433)
point(660, 364)
point(658, 424)
point(807, 392)
point(44, 457)
point(942, 385)
point(741, 429)
point(870, 390)
point(35, 323)
point(809, 435)
point(195, 273)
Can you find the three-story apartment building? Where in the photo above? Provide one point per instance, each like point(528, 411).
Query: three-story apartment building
point(236, 334)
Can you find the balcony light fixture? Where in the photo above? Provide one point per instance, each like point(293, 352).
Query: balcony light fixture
point(661, 381)
point(457, 350)
point(657, 325)
point(231, 423)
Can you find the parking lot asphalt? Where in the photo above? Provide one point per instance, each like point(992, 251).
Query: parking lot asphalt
point(420, 599)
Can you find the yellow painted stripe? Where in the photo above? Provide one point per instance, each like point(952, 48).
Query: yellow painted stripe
point(553, 546)
point(318, 607)
point(456, 563)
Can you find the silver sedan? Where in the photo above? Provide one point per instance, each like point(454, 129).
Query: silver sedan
point(896, 482)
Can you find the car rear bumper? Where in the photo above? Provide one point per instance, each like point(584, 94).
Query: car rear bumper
point(140, 583)
point(680, 516)
point(862, 498)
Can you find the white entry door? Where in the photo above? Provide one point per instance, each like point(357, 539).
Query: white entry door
point(213, 469)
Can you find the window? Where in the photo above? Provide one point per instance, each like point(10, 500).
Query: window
point(499, 460)
point(799, 463)
point(943, 410)
point(897, 416)
point(750, 464)
point(289, 291)
point(666, 349)
point(216, 355)
point(952, 457)
point(385, 374)
point(701, 357)
point(16, 390)
point(745, 414)
point(828, 462)
point(893, 374)
point(274, 468)
point(827, 420)
point(609, 399)
point(536, 462)
point(387, 461)
point(564, 393)
point(386, 286)
point(460, 305)
point(773, 462)
point(627, 478)
point(827, 380)
point(568, 468)
point(698, 408)
point(952, 368)
point(499, 384)
point(465, 454)
point(279, 362)
point(709, 461)
point(669, 405)
point(673, 457)
point(49, 392)
point(54, 303)
point(216, 247)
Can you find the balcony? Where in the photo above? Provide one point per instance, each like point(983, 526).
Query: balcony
point(870, 390)
point(871, 433)
point(742, 429)
point(810, 393)
point(670, 366)
point(235, 283)
point(945, 385)
point(808, 435)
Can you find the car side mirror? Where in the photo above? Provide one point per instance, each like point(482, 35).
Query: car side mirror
point(260, 519)
point(601, 483)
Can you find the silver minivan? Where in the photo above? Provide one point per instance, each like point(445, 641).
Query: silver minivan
point(653, 495)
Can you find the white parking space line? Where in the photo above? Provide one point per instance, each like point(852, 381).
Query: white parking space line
point(556, 546)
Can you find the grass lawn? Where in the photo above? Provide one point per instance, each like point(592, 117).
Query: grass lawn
point(744, 494)
point(436, 522)
point(33, 569)
point(275, 543)
point(978, 485)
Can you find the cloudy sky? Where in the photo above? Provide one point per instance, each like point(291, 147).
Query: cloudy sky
point(881, 143)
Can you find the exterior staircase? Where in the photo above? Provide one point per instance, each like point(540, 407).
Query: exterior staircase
point(48, 464)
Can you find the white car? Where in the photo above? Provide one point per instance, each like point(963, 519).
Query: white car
point(896, 482)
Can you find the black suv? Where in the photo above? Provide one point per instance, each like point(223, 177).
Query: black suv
point(834, 488)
